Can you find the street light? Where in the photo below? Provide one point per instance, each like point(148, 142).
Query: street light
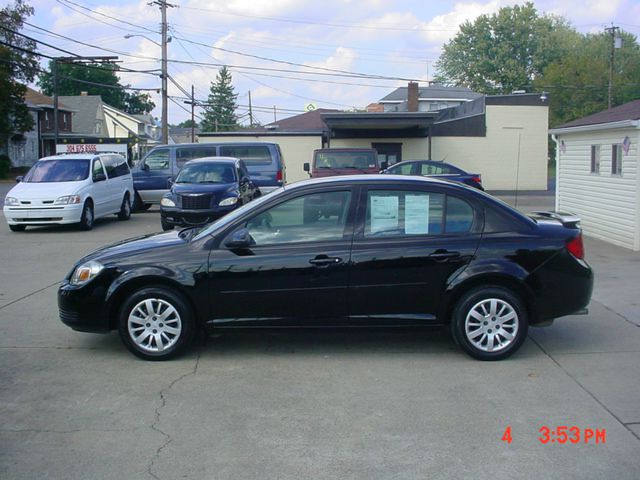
point(163, 76)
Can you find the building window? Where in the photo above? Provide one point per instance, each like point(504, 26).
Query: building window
point(616, 159)
point(595, 158)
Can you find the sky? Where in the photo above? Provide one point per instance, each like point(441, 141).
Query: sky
point(286, 53)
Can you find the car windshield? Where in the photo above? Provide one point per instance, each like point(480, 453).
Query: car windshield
point(207, 173)
point(58, 171)
point(230, 217)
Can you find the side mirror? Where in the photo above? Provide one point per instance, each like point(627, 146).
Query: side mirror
point(19, 178)
point(170, 181)
point(239, 240)
point(306, 167)
point(144, 167)
point(99, 177)
point(384, 165)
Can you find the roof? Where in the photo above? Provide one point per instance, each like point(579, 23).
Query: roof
point(213, 160)
point(432, 91)
point(37, 99)
point(304, 122)
point(626, 111)
point(373, 178)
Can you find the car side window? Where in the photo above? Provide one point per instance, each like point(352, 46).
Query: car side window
point(403, 169)
point(157, 160)
point(109, 165)
point(183, 155)
point(97, 168)
point(403, 212)
point(309, 218)
point(251, 154)
point(459, 216)
point(430, 169)
point(121, 166)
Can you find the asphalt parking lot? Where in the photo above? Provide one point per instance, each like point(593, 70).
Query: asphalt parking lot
point(361, 404)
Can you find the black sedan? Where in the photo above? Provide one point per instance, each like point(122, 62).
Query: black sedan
point(374, 250)
point(437, 169)
point(206, 189)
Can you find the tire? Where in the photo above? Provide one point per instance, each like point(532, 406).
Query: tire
point(125, 208)
point(158, 338)
point(17, 228)
point(489, 323)
point(138, 205)
point(87, 218)
point(165, 226)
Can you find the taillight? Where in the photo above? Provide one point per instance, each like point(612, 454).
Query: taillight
point(576, 247)
point(279, 175)
point(476, 179)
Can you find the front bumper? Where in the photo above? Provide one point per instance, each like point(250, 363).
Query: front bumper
point(84, 308)
point(53, 215)
point(189, 218)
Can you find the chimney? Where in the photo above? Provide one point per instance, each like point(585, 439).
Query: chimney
point(412, 97)
point(84, 94)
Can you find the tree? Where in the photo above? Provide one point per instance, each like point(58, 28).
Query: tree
point(138, 103)
point(579, 82)
point(219, 113)
point(188, 124)
point(17, 67)
point(506, 51)
point(95, 79)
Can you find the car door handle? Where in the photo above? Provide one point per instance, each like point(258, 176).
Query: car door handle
point(443, 255)
point(324, 261)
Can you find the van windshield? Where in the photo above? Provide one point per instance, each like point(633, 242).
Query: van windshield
point(339, 160)
point(58, 171)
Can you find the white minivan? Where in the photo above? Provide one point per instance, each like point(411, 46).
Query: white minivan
point(75, 188)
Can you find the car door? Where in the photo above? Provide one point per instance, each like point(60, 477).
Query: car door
point(100, 188)
point(113, 183)
point(296, 271)
point(410, 241)
point(152, 181)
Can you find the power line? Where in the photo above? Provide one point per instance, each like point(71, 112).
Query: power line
point(119, 20)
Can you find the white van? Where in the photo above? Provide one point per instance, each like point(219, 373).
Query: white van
point(76, 188)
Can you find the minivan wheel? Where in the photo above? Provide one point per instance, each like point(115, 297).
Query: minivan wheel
point(86, 220)
point(125, 208)
point(156, 323)
point(17, 228)
point(489, 323)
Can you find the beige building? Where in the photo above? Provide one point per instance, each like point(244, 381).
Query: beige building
point(504, 138)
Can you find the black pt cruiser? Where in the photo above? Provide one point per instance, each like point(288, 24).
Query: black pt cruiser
point(375, 250)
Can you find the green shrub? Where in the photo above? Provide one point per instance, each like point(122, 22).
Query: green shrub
point(5, 166)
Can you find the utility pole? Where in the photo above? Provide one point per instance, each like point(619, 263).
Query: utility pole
point(250, 111)
point(274, 114)
point(616, 42)
point(163, 31)
point(193, 115)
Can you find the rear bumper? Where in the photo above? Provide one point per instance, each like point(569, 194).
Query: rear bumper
point(54, 215)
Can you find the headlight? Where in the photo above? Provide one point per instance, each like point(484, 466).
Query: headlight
point(11, 201)
point(167, 202)
point(227, 202)
point(67, 200)
point(86, 272)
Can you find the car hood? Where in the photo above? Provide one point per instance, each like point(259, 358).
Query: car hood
point(137, 245)
point(203, 188)
point(44, 190)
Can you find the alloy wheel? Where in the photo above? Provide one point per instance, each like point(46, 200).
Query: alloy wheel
point(154, 325)
point(491, 325)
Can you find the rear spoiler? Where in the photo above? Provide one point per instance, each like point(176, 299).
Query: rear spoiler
point(569, 220)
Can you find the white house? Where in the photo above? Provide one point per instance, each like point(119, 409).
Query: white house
point(597, 173)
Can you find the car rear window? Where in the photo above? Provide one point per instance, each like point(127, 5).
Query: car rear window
point(345, 160)
point(252, 155)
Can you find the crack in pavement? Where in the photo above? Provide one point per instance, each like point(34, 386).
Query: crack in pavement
point(77, 430)
point(156, 421)
point(29, 294)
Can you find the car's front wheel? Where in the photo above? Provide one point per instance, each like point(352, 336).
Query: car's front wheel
point(86, 220)
point(156, 323)
point(489, 323)
point(17, 228)
point(139, 205)
point(165, 225)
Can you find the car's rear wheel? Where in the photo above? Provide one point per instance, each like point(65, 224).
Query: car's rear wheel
point(156, 323)
point(17, 228)
point(165, 225)
point(125, 208)
point(86, 220)
point(489, 323)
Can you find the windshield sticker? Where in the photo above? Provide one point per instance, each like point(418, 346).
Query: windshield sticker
point(384, 213)
point(416, 215)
